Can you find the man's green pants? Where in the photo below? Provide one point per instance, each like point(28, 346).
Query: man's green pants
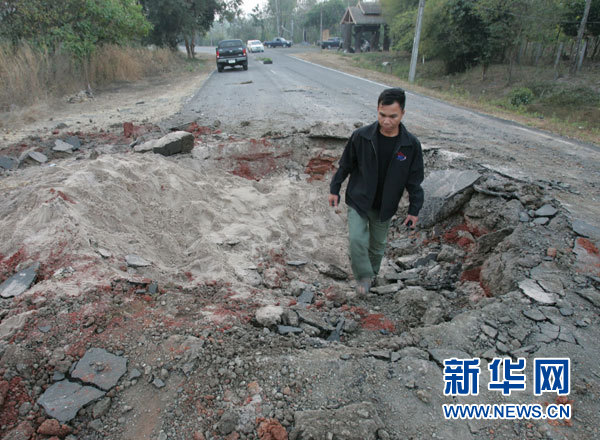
point(368, 237)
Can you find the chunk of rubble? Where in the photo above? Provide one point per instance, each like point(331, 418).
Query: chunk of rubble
point(269, 316)
point(534, 314)
point(133, 260)
point(387, 289)
point(330, 131)
point(64, 399)
point(8, 163)
point(445, 193)
point(332, 271)
point(19, 282)
point(100, 368)
point(306, 297)
point(288, 329)
point(36, 156)
point(358, 421)
point(533, 290)
point(174, 143)
point(439, 355)
point(585, 229)
point(587, 257)
point(62, 147)
point(9, 326)
point(546, 211)
point(591, 294)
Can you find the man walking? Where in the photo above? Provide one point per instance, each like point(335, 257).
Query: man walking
point(382, 160)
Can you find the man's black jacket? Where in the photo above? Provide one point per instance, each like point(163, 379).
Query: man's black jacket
point(405, 170)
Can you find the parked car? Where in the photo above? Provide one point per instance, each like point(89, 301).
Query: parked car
point(332, 42)
point(278, 42)
point(255, 46)
point(231, 53)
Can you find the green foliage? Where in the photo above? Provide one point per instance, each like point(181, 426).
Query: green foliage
point(78, 26)
point(174, 19)
point(332, 14)
point(463, 40)
point(392, 8)
point(521, 96)
point(573, 13)
point(402, 30)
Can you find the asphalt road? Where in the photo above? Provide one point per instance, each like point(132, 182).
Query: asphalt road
point(293, 94)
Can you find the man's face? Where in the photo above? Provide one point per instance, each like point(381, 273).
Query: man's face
point(389, 117)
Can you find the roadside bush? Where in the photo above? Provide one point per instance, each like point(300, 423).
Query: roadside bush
point(521, 96)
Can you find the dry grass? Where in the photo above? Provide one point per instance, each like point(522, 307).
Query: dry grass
point(28, 75)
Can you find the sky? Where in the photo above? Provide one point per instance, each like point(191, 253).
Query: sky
point(248, 5)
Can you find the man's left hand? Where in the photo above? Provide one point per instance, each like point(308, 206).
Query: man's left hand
point(411, 221)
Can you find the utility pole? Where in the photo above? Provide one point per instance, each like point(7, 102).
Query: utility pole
point(278, 18)
point(586, 12)
point(415, 48)
point(321, 27)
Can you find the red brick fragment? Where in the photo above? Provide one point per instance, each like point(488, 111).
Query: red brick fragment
point(23, 431)
point(53, 427)
point(271, 429)
point(551, 252)
point(4, 386)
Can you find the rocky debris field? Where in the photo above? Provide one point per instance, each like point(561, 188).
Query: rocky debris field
point(197, 286)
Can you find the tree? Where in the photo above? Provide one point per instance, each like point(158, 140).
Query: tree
point(463, 40)
point(332, 10)
point(182, 20)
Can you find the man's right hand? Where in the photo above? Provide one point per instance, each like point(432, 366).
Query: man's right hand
point(334, 200)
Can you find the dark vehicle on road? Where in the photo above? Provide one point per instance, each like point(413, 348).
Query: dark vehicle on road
point(332, 42)
point(278, 42)
point(231, 53)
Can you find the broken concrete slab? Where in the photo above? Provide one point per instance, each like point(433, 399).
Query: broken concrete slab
point(587, 257)
point(585, 229)
point(330, 131)
point(358, 421)
point(314, 319)
point(101, 368)
point(9, 326)
point(8, 163)
point(74, 142)
point(533, 290)
point(35, 156)
point(546, 211)
point(332, 271)
point(306, 297)
point(133, 260)
point(62, 147)
point(174, 143)
point(439, 355)
point(64, 399)
point(387, 289)
point(445, 194)
point(19, 282)
point(591, 294)
point(534, 314)
point(288, 329)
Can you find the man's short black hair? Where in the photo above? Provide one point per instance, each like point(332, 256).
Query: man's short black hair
point(389, 96)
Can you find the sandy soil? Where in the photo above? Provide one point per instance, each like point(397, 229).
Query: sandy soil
point(146, 101)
